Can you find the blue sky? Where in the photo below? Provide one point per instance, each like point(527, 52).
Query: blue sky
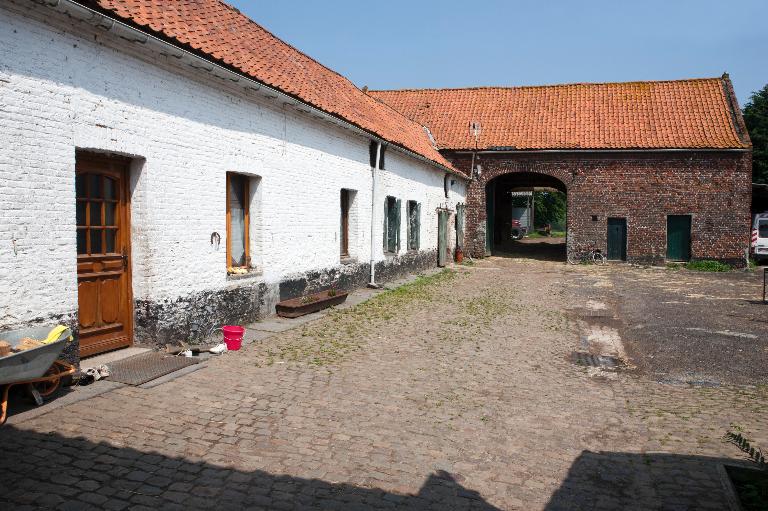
point(449, 43)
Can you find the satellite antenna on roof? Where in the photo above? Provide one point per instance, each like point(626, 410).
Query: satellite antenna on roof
point(474, 128)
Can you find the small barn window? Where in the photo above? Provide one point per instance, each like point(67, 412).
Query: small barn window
point(372, 154)
point(382, 155)
point(414, 224)
point(392, 225)
point(238, 198)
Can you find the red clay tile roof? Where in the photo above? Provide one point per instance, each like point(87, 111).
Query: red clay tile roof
point(220, 32)
point(684, 114)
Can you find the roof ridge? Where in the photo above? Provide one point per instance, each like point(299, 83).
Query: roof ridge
point(398, 112)
point(281, 40)
point(242, 45)
point(542, 86)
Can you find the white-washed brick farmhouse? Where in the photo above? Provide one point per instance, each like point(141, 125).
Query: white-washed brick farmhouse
point(152, 188)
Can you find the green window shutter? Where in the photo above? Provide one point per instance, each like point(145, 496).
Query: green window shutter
point(417, 234)
point(398, 204)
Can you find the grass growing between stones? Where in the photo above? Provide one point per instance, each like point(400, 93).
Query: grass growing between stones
point(342, 332)
point(707, 265)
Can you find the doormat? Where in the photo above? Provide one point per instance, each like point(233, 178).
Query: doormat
point(145, 367)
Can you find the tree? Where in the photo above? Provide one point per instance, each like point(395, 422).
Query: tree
point(756, 119)
point(549, 208)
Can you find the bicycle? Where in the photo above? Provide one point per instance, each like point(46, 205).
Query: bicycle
point(594, 256)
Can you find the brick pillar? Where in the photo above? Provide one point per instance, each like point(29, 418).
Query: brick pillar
point(475, 220)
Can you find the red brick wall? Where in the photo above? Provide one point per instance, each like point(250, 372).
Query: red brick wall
point(713, 187)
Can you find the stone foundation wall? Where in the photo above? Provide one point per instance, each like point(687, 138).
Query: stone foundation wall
point(194, 317)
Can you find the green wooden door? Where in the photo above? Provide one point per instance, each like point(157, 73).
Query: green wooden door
point(442, 237)
point(617, 239)
point(460, 226)
point(679, 237)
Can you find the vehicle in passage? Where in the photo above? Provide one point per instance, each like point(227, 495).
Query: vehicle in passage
point(760, 238)
point(517, 230)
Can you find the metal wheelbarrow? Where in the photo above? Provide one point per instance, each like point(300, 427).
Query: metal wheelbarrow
point(36, 367)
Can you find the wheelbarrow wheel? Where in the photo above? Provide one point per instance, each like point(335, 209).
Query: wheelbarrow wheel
point(49, 387)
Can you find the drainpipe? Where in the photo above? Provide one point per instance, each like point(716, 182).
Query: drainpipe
point(372, 283)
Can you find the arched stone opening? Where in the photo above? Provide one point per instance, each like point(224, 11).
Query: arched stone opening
point(495, 199)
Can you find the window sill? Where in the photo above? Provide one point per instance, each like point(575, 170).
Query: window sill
point(251, 273)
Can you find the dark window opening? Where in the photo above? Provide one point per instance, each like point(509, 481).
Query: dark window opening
point(762, 229)
point(96, 214)
point(382, 155)
point(414, 224)
point(392, 225)
point(372, 153)
point(345, 223)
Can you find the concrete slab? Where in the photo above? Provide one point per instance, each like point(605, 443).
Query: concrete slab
point(112, 356)
point(172, 376)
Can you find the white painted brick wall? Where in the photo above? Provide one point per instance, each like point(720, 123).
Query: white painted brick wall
point(60, 91)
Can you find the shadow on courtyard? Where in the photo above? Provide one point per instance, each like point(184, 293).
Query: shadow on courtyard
point(46, 471)
point(540, 249)
point(651, 481)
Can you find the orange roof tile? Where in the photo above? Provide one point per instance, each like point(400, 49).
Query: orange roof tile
point(220, 32)
point(683, 114)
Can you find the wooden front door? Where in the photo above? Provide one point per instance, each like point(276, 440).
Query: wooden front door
point(617, 239)
point(679, 237)
point(105, 305)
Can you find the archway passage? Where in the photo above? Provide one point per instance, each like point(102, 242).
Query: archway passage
point(526, 216)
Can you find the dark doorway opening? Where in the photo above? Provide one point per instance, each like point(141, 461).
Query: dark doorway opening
point(526, 216)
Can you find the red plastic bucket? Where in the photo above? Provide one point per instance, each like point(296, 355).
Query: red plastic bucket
point(233, 336)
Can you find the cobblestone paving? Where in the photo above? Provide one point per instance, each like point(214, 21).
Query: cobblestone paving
point(455, 392)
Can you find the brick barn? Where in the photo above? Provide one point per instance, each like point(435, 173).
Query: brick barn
point(666, 166)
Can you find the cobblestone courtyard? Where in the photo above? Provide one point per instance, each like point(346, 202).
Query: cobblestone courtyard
point(457, 391)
